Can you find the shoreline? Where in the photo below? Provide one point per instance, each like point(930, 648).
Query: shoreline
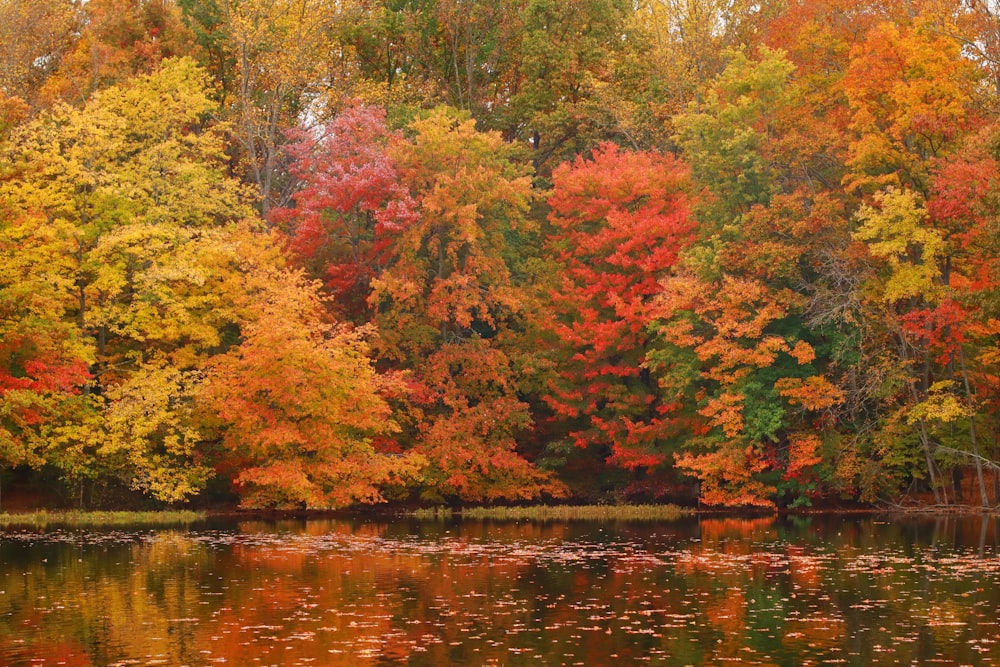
point(645, 513)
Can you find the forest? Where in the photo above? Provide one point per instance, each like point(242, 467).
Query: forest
point(317, 253)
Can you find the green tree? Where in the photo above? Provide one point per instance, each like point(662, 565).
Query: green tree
point(740, 352)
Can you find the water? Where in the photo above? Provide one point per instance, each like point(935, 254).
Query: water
point(762, 591)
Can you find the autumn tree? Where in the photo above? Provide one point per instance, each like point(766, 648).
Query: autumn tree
point(133, 188)
point(44, 374)
point(924, 270)
point(481, 43)
point(683, 45)
point(962, 205)
point(570, 56)
point(350, 207)
point(298, 402)
point(738, 351)
point(619, 221)
point(911, 111)
point(270, 59)
point(750, 372)
point(390, 54)
point(34, 35)
point(909, 89)
point(449, 309)
point(117, 39)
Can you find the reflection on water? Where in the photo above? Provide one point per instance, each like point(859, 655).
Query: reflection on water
point(761, 591)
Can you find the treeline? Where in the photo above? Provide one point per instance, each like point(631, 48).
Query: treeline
point(325, 253)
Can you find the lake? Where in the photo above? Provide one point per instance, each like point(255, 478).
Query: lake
point(794, 591)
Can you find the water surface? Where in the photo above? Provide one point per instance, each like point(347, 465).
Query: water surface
point(717, 591)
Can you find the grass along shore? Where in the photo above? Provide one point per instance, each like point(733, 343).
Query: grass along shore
point(77, 518)
point(560, 513)
point(43, 518)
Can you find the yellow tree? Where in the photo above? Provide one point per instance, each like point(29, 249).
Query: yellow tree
point(689, 44)
point(910, 92)
point(133, 185)
point(913, 100)
point(43, 357)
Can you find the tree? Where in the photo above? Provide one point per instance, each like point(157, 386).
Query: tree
point(754, 384)
point(569, 55)
point(909, 89)
point(133, 188)
point(736, 348)
point(911, 110)
point(481, 40)
point(449, 310)
point(686, 44)
point(44, 369)
point(34, 35)
point(961, 206)
point(273, 70)
point(728, 138)
point(350, 207)
point(619, 221)
point(388, 53)
point(299, 403)
point(117, 40)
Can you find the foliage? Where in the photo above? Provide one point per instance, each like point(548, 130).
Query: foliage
point(448, 308)
point(35, 35)
point(341, 252)
point(45, 361)
point(127, 201)
point(116, 41)
point(300, 403)
point(349, 206)
point(619, 221)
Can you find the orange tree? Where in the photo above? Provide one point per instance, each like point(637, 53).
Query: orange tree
point(450, 310)
point(297, 403)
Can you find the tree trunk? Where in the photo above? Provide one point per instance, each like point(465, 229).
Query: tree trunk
point(972, 432)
